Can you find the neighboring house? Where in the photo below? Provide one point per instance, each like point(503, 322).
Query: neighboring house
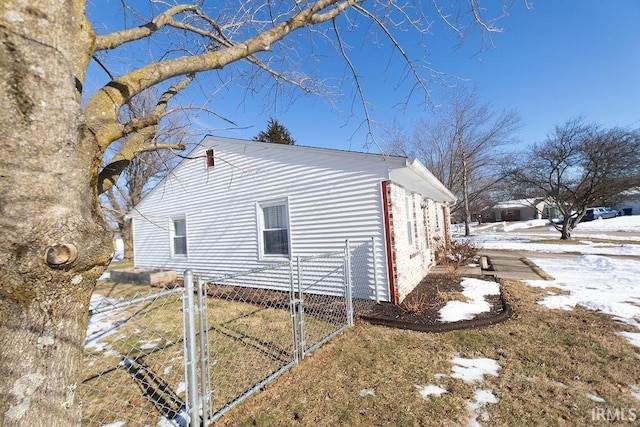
point(233, 205)
point(629, 203)
point(519, 210)
point(118, 247)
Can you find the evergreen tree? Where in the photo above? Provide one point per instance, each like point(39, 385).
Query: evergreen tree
point(275, 133)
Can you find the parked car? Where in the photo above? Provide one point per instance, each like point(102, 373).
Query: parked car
point(600, 212)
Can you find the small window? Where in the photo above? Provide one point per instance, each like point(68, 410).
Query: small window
point(210, 159)
point(409, 209)
point(179, 237)
point(274, 225)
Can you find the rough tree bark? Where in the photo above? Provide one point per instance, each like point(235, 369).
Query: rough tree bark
point(54, 243)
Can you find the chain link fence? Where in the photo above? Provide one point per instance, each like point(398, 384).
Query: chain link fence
point(187, 355)
point(134, 360)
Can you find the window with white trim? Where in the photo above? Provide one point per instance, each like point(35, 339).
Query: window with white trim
point(179, 237)
point(409, 209)
point(274, 228)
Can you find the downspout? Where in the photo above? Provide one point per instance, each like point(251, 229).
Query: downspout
point(393, 293)
point(447, 222)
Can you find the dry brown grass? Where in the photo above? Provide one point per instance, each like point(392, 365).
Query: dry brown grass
point(538, 350)
point(446, 296)
point(247, 343)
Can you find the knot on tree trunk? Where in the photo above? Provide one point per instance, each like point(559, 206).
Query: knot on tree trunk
point(60, 255)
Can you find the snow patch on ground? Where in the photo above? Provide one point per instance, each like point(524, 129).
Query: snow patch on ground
point(597, 283)
point(514, 236)
point(559, 384)
point(621, 223)
point(367, 392)
point(182, 388)
point(632, 337)
point(481, 398)
point(595, 398)
point(430, 390)
point(475, 290)
point(525, 224)
point(524, 243)
point(473, 370)
point(101, 325)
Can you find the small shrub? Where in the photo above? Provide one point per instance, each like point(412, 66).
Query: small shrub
point(450, 272)
point(414, 304)
point(456, 253)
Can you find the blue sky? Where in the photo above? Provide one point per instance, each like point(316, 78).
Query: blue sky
point(553, 62)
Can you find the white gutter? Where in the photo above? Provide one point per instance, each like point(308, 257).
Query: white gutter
point(414, 176)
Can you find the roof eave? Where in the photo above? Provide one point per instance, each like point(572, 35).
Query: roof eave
point(414, 176)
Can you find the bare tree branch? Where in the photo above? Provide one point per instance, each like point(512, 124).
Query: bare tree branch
point(116, 93)
point(145, 130)
point(113, 40)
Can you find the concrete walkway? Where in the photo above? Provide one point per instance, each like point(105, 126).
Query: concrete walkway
point(514, 265)
point(510, 264)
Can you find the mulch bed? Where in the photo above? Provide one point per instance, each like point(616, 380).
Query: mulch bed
point(420, 309)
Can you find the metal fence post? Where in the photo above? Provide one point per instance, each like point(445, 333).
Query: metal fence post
point(375, 270)
point(293, 309)
point(300, 306)
point(203, 328)
point(191, 373)
point(347, 280)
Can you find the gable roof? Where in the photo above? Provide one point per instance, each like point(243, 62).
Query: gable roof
point(409, 173)
point(520, 203)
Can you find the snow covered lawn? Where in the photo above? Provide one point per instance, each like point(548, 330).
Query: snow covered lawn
point(597, 279)
point(604, 284)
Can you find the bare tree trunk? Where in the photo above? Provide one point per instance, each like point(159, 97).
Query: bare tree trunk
point(54, 244)
point(565, 234)
point(465, 196)
point(127, 239)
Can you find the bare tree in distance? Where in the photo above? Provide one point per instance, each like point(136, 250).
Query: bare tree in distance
point(460, 143)
point(577, 166)
point(146, 169)
point(55, 136)
point(275, 133)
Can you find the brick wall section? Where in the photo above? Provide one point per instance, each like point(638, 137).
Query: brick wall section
point(434, 226)
point(411, 262)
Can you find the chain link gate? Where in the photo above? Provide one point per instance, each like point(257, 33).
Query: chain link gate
point(186, 356)
point(255, 325)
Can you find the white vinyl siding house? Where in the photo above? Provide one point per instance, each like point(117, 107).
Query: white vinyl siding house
point(257, 203)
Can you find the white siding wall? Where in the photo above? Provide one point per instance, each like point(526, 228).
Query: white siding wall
point(331, 198)
point(630, 201)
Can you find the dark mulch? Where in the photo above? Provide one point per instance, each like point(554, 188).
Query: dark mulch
point(420, 309)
